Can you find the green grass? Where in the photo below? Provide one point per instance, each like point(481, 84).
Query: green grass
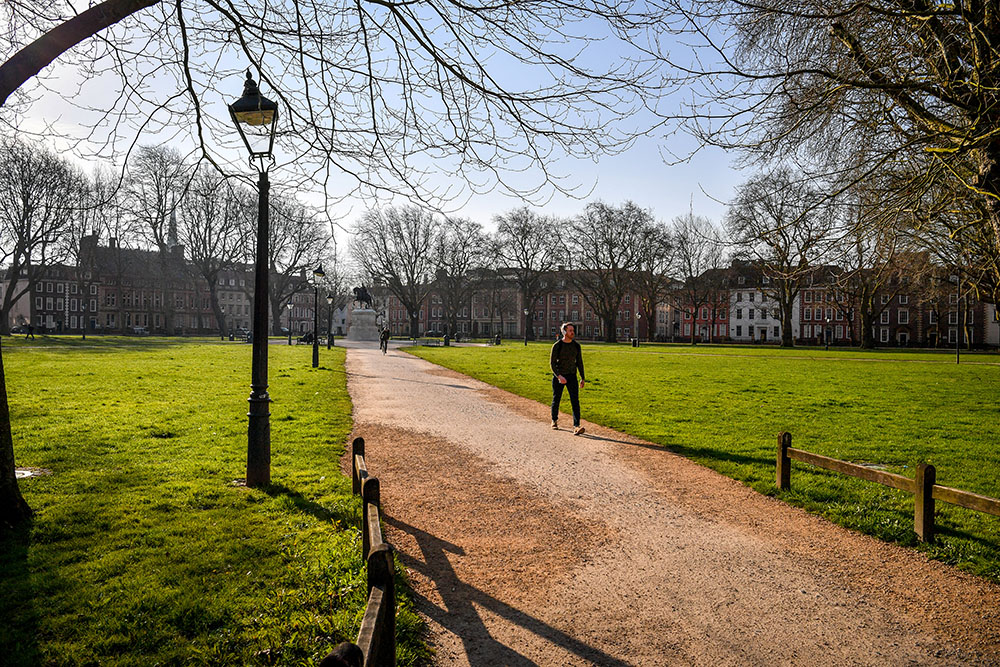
point(142, 550)
point(724, 407)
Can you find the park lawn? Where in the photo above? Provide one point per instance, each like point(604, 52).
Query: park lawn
point(725, 406)
point(142, 550)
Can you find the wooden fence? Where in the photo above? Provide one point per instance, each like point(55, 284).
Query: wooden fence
point(924, 487)
point(377, 637)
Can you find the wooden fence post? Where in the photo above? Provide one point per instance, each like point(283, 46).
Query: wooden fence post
point(783, 476)
point(357, 447)
point(923, 502)
point(381, 573)
point(371, 502)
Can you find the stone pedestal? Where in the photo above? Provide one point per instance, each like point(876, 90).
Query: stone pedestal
point(362, 325)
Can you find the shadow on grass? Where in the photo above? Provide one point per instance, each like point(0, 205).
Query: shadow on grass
point(310, 507)
point(19, 627)
point(460, 612)
point(721, 455)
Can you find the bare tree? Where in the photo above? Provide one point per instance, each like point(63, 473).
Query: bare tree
point(530, 248)
point(605, 246)
point(298, 244)
point(101, 211)
point(210, 217)
point(859, 87)
point(779, 221)
point(394, 247)
point(652, 280)
point(698, 254)
point(37, 207)
point(458, 255)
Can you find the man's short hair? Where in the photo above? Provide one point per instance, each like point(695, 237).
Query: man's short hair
point(562, 328)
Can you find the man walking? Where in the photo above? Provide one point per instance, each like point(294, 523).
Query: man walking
point(566, 358)
point(383, 340)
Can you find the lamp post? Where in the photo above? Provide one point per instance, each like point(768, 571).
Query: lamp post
point(256, 118)
point(222, 324)
point(826, 336)
point(525, 327)
point(329, 321)
point(317, 274)
point(638, 324)
point(289, 306)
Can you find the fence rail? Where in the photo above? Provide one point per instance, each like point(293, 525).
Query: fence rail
point(377, 636)
point(924, 487)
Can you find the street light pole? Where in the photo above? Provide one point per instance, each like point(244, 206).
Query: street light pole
point(317, 274)
point(289, 306)
point(526, 327)
point(329, 321)
point(260, 116)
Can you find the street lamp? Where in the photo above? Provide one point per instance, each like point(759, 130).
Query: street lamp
point(826, 337)
point(526, 327)
point(222, 324)
point(256, 118)
point(329, 321)
point(317, 274)
point(289, 306)
point(638, 325)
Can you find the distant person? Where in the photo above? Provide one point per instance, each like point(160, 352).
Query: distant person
point(383, 340)
point(565, 360)
point(496, 340)
point(30, 329)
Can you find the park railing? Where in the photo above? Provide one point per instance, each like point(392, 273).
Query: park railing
point(377, 636)
point(924, 486)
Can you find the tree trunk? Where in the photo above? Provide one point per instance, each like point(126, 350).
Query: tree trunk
point(609, 330)
point(13, 509)
point(867, 336)
point(276, 317)
point(414, 325)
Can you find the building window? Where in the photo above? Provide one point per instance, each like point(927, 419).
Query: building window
point(885, 300)
point(739, 315)
point(628, 298)
point(884, 335)
point(38, 302)
point(576, 315)
point(808, 297)
point(763, 313)
point(739, 330)
point(932, 317)
point(618, 331)
point(750, 297)
point(48, 303)
point(904, 299)
point(562, 298)
point(840, 331)
point(840, 315)
point(60, 288)
point(777, 331)
point(74, 288)
point(750, 313)
point(885, 317)
point(903, 316)
point(576, 299)
point(628, 332)
point(628, 314)
point(555, 300)
point(59, 304)
point(807, 314)
point(704, 313)
point(687, 329)
point(952, 317)
point(952, 336)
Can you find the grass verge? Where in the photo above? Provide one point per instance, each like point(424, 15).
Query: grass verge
point(724, 407)
point(142, 550)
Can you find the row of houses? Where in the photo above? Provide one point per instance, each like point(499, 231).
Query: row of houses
point(741, 309)
point(118, 290)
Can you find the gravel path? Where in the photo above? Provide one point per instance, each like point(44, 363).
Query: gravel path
point(528, 546)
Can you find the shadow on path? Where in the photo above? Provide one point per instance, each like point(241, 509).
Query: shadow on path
point(461, 617)
point(398, 379)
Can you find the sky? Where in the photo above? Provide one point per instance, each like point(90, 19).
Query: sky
point(645, 174)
